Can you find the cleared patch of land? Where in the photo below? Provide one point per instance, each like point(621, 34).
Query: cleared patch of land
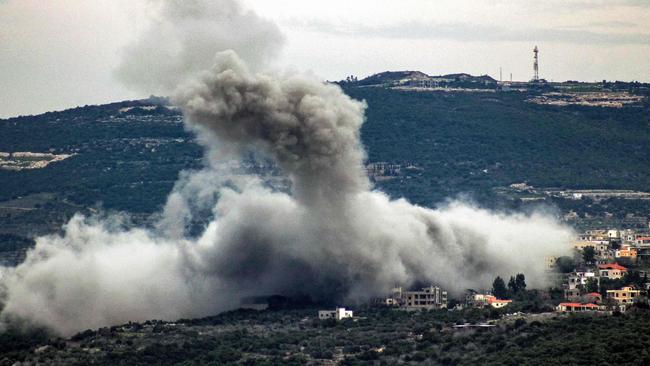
point(21, 160)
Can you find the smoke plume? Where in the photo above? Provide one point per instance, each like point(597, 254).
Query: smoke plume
point(184, 36)
point(330, 235)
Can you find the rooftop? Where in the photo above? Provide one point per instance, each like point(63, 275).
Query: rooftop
point(612, 266)
point(575, 304)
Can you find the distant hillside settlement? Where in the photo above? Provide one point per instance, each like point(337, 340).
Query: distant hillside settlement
point(609, 270)
point(597, 94)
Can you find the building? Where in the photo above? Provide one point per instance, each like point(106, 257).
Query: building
point(571, 307)
point(628, 235)
point(612, 271)
point(625, 295)
point(593, 298)
point(480, 300)
point(572, 294)
point(428, 298)
point(594, 235)
point(385, 301)
point(641, 240)
point(605, 257)
point(550, 263)
point(579, 279)
point(626, 251)
point(497, 303)
point(600, 246)
point(338, 314)
point(613, 234)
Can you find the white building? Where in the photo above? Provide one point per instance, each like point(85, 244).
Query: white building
point(338, 314)
point(613, 234)
point(477, 300)
point(580, 278)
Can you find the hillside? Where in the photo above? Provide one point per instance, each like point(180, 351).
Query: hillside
point(470, 142)
point(433, 145)
point(295, 337)
point(394, 78)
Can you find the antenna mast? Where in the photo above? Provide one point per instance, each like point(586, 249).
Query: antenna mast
point(536, 64)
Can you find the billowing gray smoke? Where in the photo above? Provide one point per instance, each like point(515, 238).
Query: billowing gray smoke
point(311, 130)
point(184, 37)
point(331, 236)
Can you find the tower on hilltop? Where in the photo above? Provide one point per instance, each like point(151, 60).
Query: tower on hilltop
point(536, 64)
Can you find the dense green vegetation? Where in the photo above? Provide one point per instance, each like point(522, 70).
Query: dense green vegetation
point(465, 144)
point(383, 336)
point(127, 162)
point(470, 142)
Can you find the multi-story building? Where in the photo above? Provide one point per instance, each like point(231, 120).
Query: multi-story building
point(625, 295)
point(594, 235)
point(600, 246)
point(577, 279)
point(642, 240)
point(613, 234)
point(627, 251)
point(601, 249)
point(612, 271)
point(550, 263)
point(431, 297)
point(337, 314)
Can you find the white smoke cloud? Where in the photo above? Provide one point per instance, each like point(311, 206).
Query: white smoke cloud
point(184, 37)
point(331, 236)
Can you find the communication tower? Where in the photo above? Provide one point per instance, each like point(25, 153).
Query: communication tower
point(536, 64)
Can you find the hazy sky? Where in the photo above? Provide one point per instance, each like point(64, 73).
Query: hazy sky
point(56, 54)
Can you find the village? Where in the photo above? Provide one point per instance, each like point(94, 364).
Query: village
point(610, 271)
point(607, 274)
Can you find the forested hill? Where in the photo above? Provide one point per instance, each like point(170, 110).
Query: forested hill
point(469, 142)
point(126, 156)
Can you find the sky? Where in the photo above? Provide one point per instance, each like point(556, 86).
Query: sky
point(57, 54)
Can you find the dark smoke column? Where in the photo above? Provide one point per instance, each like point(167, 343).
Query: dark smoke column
point(311, 129)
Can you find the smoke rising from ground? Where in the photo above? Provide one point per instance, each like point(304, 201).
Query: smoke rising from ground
point(331, 236)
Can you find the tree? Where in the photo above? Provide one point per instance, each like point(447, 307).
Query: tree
point(634, 278)
point(520, 282)
point(589, 254)
point(512, 287)
point(499, 288)
point(591, 285)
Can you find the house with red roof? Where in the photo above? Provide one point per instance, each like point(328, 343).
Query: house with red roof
point(611, 270)
point(481, 300)
point(571, 307)
point(497, 303)
point(593, 298)
point(642, 240)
